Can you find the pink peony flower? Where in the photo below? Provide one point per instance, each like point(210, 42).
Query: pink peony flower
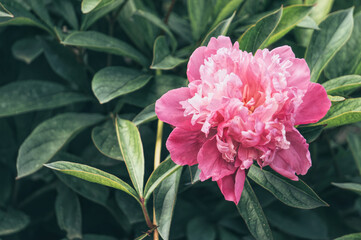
point(239, 108)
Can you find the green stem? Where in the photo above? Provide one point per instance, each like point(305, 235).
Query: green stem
point(146, 215)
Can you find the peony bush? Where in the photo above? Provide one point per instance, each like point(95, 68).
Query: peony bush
point(180, 119)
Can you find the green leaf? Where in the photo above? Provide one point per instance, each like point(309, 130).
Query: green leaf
point(258, 34)
point(311, 133)
point(199, 13)
point(68, 212)
point(65, 8)
point(354, 187)
point(335, 30)
point(105, 139)
point(96, 237)
point(308, 23)
point(226, 11)
point(252, 213)
point(354, 143)
point(27, 49)
point(164, 170)
point(294, 194)
point(92, 175)
point(102, 43)
point(112, 82)
point(146, 115)
point(12, 221)
point(32, 95)
point(336, 98)
point(129, 207)
point(49, 137)
point(99, 12)
point(220, 29)
point(164, 201)
point(349, 56)
point(200, 229)
point(4, 12)
point(291, 16)
point(39, 7)
point(342, 113)
point(162, 58)
point(132, 151)
point(88, 5)
point(353, 236)
point(159, 23)
point(343, 85)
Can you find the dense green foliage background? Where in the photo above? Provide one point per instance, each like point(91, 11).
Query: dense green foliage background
point(75, 74)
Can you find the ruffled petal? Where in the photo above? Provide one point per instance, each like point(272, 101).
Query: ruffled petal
point(211, 163)
point(285, 52)
point(220, 42)
point(231, 186)
point(295, 159)
point(169, 109)
point(299, 74)
point(184, 146)
point(314, 106)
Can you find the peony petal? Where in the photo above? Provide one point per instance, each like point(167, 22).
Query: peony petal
point(220, 42)
point(285, 52)
point(169, 109)
point(184, 146)
point(231, 186)
point(211, 163)
point(296, 159)
point(299, 74)
point(314, 106)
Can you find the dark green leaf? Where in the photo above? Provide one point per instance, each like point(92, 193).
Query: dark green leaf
point(164, 170)
point(354, 143)
point(199, 13)
point(311, 133)
point(130, 207)
point(227, 10)
point(252, 213)
point(220, 29)
point(27, 49)
point(105, 139)
point(65, 8)
point(348, 58)
point(164, 201)
point(39, 7)
point(162, 58)
point(200, 229)
point(6, 185)
point(100, 42)
point(343, 85)
point(258, 34)
point(353, 236)
point(32, 95)
point(294, 194)
point(146, 115)
point(49, 137)
point(132, 151)
point(92, 175)
point(335, 30)
point(12, 221)
point(112, 82)
point(68, 212)
point(354, 187)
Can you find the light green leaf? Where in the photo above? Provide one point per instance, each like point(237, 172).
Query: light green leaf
point(132, 151)
point(92, 175)
point(103, 43)
point(146, 115)
point(353, 236)
point(27, 49)
point(49, 137)
point(336, 98)
point(199, 13)
point(90, 18)
point(252, 213)
point(348, 58)
point(88, 5)
point(342, 113)
point(164, 201)
point(164, 170)
point(105, 139)
point(354, 143)
point(12, 221)
point(200, 229)
point(343, 85)
point(220, 29)
point(226, 11)
point(354, 187)
point(68, 212)
point(4, 12)
point(112, 82)
point(159, 23)
point(308, 23)
point(258, 34)
point(335, 30)
point(291, 16)
point(162, 58)
point(294, 194)
point(32, 95)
